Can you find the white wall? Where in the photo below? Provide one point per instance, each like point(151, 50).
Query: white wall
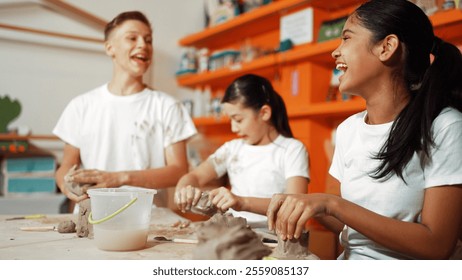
point(45, 73)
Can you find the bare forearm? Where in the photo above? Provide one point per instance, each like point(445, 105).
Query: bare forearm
point(255, 204)
point(189, 179)
point(159, 178)
point(413, 239)
point(331, 223)
point(59, 177)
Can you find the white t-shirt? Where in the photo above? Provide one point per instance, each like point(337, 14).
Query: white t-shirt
point(116, 133)
point(260, 171)
point(357, 142)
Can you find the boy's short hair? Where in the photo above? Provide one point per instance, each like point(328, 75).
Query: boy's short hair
point(121, 18)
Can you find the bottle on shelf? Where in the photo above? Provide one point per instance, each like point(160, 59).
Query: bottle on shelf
point(198, 103)
point(207, 98)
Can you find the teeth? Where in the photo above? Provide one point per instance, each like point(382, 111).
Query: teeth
point(142, 57)
point(341, 66)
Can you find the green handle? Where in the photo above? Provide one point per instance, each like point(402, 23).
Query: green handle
point(93, 222)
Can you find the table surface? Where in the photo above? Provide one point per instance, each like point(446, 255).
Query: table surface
point(16, 244)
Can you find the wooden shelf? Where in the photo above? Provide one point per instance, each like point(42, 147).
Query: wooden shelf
point(15, 137)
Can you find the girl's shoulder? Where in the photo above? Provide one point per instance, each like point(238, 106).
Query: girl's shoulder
point(447, 117)
point(352, 121)
point(287, 141)
point(449, 114)
point(234, 143)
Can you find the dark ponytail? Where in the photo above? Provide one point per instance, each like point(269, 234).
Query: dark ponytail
point(432, 86)
point(255, 91)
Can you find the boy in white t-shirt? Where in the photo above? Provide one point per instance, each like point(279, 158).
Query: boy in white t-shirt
point(124, 133)
point(265, 160)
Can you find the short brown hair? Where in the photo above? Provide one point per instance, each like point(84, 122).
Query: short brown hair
point(121, 18)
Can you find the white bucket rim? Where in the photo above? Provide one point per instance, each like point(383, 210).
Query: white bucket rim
point(122, 191)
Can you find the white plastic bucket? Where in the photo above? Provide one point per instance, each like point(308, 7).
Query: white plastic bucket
point(121, 217)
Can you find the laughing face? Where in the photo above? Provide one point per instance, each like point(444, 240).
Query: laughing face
point(130, 46)
point(358, 59)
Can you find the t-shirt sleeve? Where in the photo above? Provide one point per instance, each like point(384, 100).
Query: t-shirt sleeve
point(445, 166)
point(219, 159)
point(296, 161)
point(67, 127)
point(178, 124)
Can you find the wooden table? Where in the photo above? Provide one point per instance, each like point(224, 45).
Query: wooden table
point(51, 245)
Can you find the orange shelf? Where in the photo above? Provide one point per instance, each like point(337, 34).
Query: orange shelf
point(324, 109)
point(316, 52)
point(443, 18)
point(270, 13)
point(211, 121)
point(448, 25)
point(330, 109)
point(319, 53)
point(211, 77)
point(200, 39)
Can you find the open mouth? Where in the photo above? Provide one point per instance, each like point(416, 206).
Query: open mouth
point(341, 66)
point(141, 58)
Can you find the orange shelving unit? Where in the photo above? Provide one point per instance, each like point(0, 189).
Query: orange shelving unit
point(310, 115)
point(312, 118)
point(301, 75)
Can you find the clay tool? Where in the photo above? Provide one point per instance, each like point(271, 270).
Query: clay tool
point(42, 228)
point(37, 216)
point(270, 243)
point(175, 240)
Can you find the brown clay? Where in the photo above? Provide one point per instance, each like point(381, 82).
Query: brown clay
point(294, 249)
point(66, 227)
point(84, 228)
point(204, 206)
point(224, 237)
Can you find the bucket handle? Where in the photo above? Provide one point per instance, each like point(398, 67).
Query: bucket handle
point(94, 222)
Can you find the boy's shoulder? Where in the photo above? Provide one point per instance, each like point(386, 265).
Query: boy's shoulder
point(161, 95)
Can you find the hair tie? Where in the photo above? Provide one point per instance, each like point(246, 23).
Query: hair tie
point(437, 42)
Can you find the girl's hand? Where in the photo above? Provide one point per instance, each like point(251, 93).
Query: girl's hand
point(186, 197)
point(224, 199)
point(288, 213)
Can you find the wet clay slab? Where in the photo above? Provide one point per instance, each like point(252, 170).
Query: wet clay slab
point(224, 237)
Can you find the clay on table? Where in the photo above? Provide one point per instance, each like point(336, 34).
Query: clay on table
point(224, 237)
point(204, 206)
point(83, 228)
point(66, 227)
point(294, 249)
